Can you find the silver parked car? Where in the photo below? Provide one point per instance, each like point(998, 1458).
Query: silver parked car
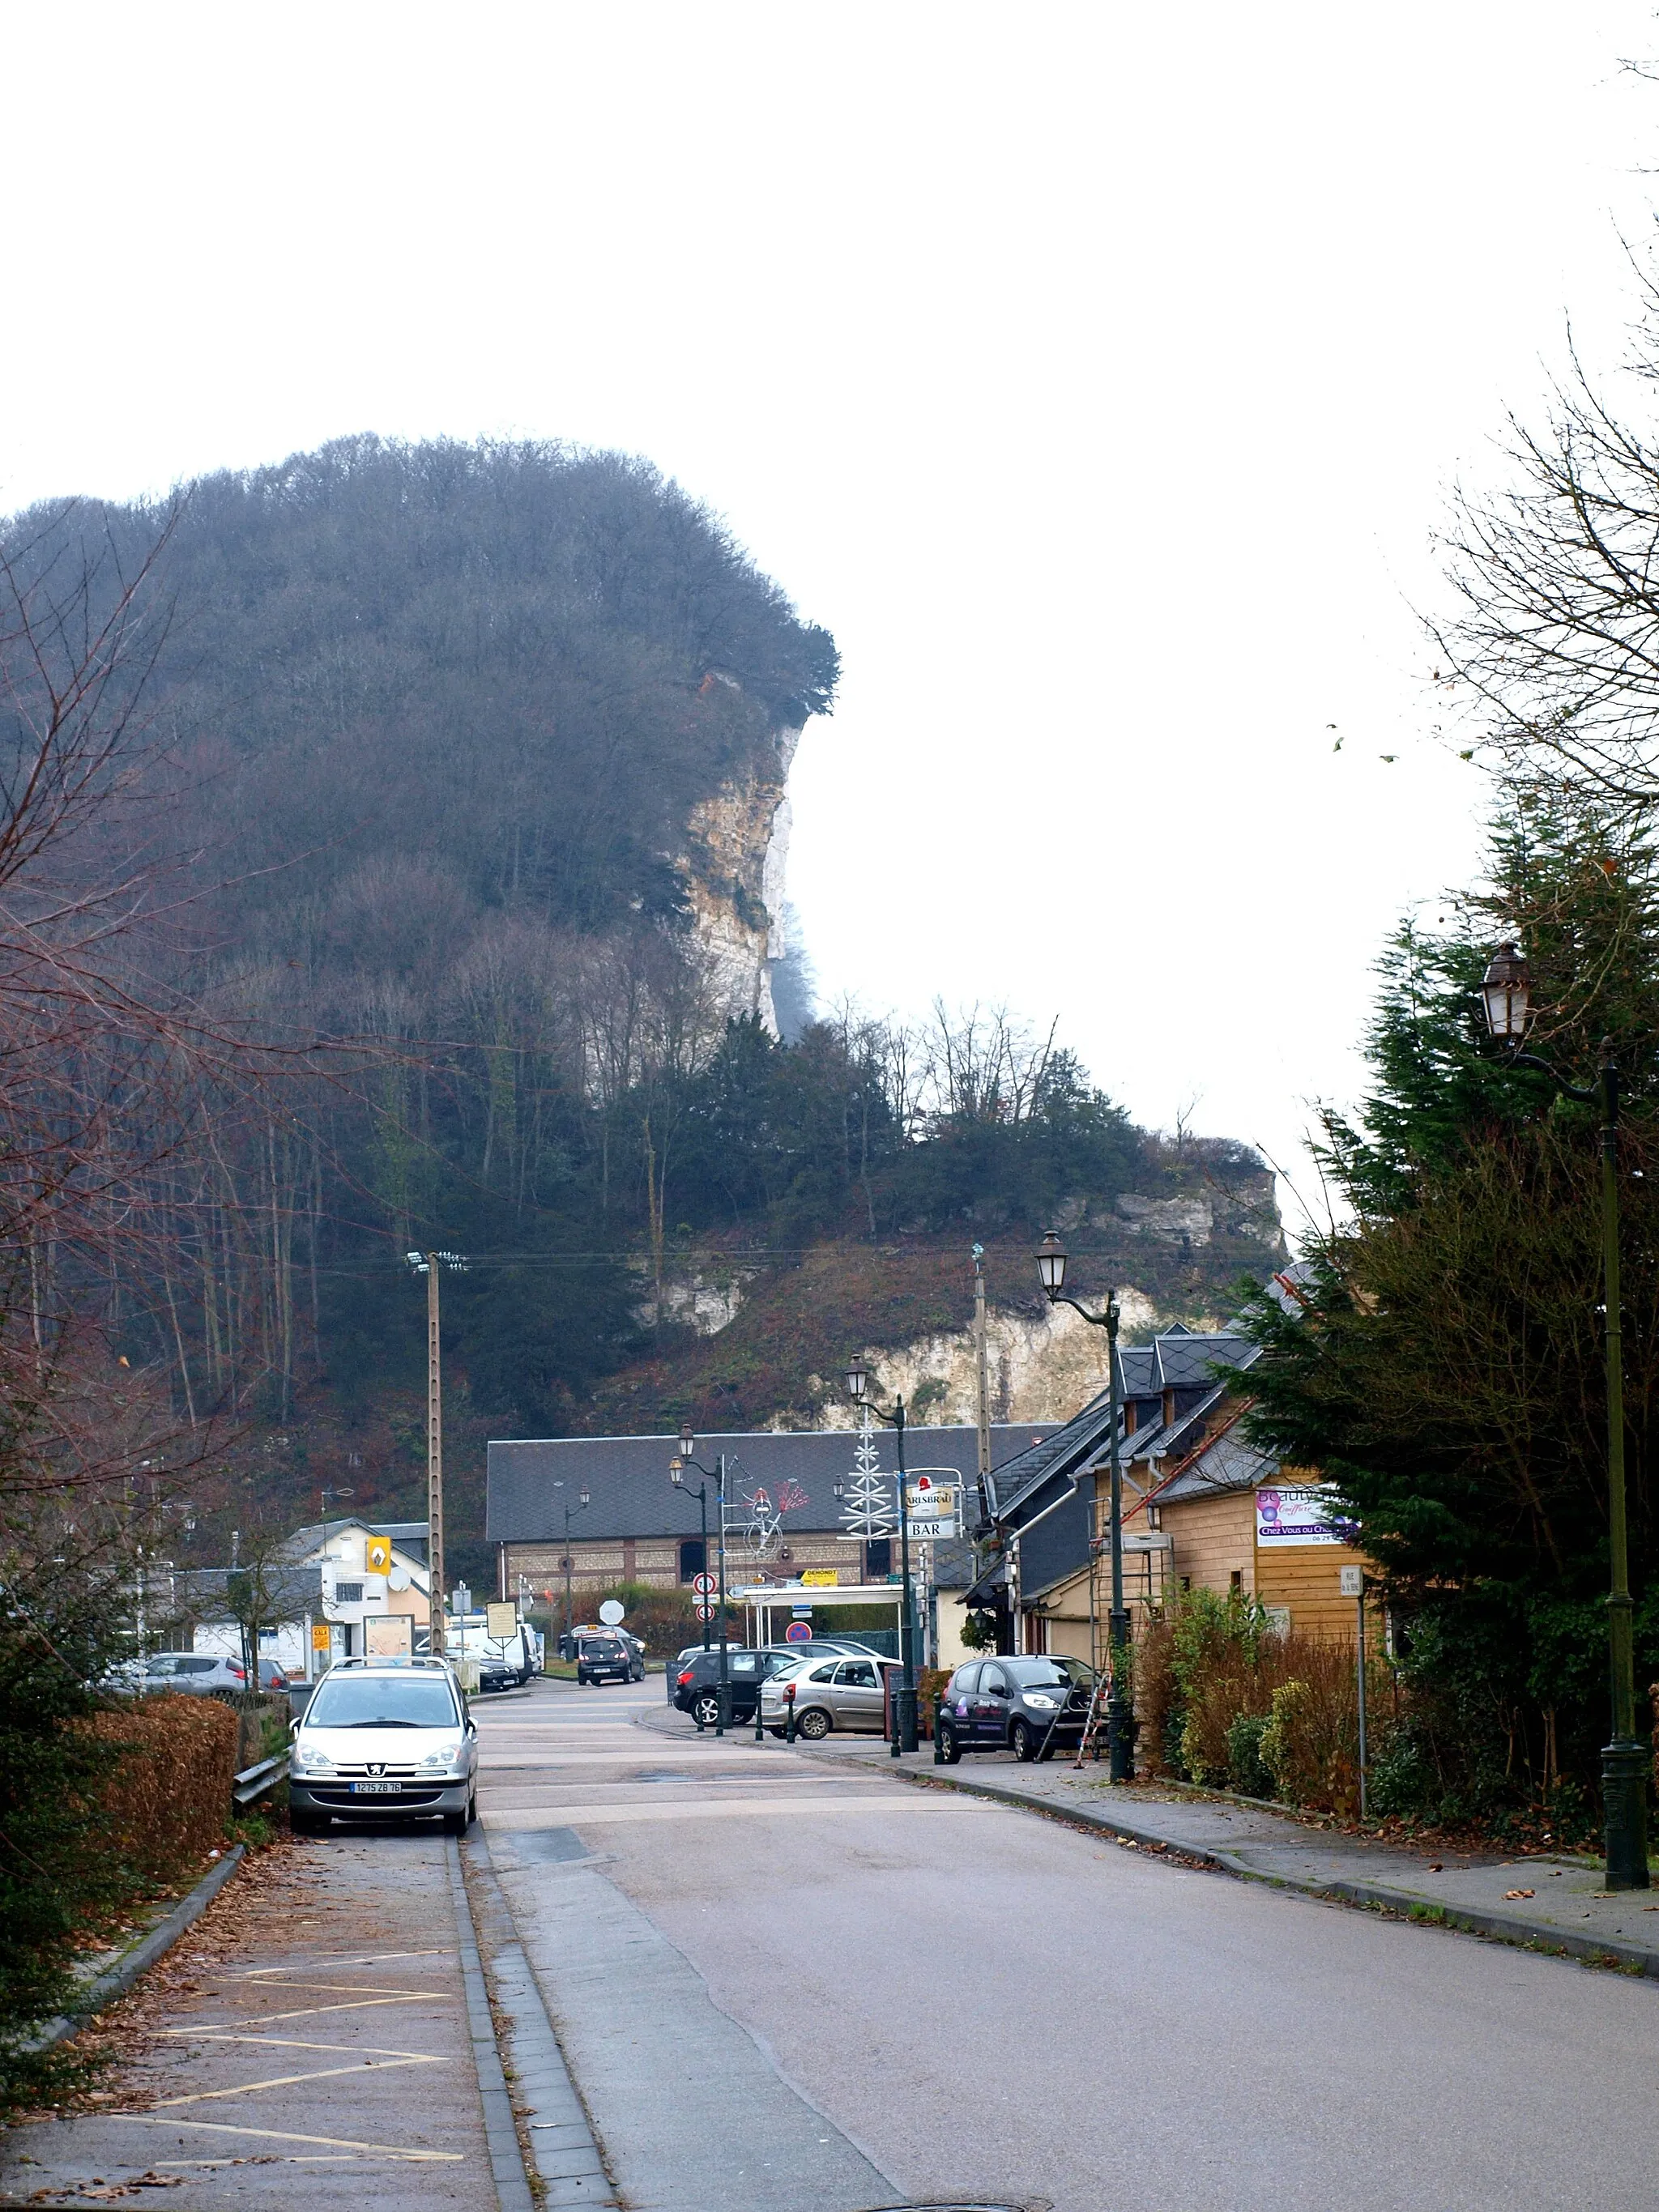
point(378, 1738)
point(194, 1674)
point(847, 1693)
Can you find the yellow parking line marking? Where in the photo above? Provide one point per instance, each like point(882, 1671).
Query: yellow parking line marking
point(362, 2004)
point(283, 2135)
point(288, 2081)
point(298, 2043)
point(368, 1958)
point(343, 1990)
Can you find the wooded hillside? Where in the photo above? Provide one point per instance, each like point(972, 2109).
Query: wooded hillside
point(431, 738)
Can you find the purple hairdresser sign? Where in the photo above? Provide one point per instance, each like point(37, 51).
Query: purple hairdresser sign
point(1300, 1517)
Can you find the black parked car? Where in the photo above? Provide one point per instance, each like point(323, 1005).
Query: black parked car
point(696, 1682)
point(1031, 1707)
point(609, 1658)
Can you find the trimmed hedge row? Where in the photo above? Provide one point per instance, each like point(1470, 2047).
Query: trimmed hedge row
point(168, 1795)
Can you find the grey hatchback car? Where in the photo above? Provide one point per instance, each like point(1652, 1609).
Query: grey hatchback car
point(834, 1693)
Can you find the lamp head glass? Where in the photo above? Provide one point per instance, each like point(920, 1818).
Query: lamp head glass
point(1051, 1265)
point(1506, 991)
point(857, 1380)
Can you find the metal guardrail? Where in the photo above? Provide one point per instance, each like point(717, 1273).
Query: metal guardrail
point(253, 1781)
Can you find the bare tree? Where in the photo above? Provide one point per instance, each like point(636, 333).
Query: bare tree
point(1554, 657)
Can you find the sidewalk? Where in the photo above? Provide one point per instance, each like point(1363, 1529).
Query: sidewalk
point(1563, 1910)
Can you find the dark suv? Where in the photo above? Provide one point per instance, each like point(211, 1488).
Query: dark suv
point(1031, 1707)
point(696, 1684)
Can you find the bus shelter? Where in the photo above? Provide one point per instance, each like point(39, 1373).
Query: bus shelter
point(768, 1607)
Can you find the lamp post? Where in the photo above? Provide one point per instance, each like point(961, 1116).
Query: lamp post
point(717, 1475)
point(904, 1703)
point(676, 1476)
point(584, 1497)
point(1506, 995)
point(1051, 1272)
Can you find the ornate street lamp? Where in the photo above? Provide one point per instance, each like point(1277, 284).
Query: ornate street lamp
point(676, 1476)
point(583, 1498)
point(1505, 989)
point(1051, 1257)
point(717, 1475)
point(904, 1701)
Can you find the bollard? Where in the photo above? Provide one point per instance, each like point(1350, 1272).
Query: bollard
point(939, 1708)
point(760, 1733)
point(789, 1712)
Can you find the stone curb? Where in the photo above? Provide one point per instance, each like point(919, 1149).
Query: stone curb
point(568, 2165)
point(500, 2133)
point(1419, 1908)
point(115, 1981)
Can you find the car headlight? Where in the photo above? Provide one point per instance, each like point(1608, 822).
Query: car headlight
point(445, 1755)
point(302, 1762)
point(1043, 1704)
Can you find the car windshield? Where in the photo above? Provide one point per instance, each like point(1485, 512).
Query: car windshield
point(601, 1646)
point(1049, 1673)
point(343, 1701)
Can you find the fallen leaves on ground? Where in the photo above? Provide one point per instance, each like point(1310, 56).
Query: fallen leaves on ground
point(1520, 1893)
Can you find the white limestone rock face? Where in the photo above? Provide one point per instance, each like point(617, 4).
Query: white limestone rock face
point(707, 1302)
point(1042, 1368)
point(734, 870)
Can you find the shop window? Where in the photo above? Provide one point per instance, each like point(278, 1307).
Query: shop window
point(878, 1559)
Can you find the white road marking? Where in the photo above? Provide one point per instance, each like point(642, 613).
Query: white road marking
point(588, 1816)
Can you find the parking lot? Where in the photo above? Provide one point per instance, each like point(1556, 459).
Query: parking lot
point(327, 2043)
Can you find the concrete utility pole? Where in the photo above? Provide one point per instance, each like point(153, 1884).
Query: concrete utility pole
point(431, 1264)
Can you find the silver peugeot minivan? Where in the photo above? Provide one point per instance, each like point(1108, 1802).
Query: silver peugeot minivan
point(378, 1738)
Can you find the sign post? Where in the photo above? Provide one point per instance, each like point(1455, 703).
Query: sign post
point(1352, 1584)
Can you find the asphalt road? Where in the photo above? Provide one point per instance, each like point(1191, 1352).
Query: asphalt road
point(784, 1988)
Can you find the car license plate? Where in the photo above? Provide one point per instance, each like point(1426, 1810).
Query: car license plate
point(377, 1789)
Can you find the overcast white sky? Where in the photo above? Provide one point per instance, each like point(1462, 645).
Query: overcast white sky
point(1095, 380)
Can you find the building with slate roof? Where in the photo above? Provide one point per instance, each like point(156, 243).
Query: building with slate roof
point(639, 1527)
point(1193, 1511)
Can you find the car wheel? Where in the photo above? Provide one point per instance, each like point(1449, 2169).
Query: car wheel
point(1023, 1742)
point(472, 1809)
point(949, 1750)
point(814, 1724)
point(305, 1824)
point(455, 1823)
point(581, 1679)
point(706, 1710)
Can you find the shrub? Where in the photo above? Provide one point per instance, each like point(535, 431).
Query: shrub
point(1310, 1745)
point(1245, 1769)
point(167, 1795)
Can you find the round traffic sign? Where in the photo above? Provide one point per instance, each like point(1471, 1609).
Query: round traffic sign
point(704, 1611)
point(703, 1585)
point(612, 1611)
point(799, 1632)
